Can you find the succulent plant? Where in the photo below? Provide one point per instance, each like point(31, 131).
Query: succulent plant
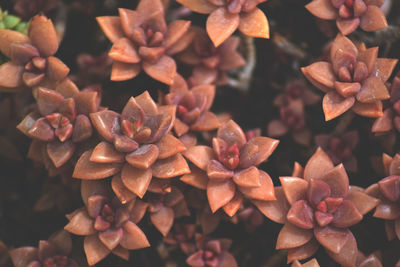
point(59, 122)
point(53, 252)
point(108, 225)
point(296, 89)
point(317, 210)
point(32, 57)
point(136, 146)
point(390, 120)
point(12, 22)
point(226, 16)
point(211, 253)
point(211, 63)
point(142, 40)
point(387, 190)
point(291, 122)
point(228, 170)
point(193, 108)
point(350, 14)
point(183, 236)
point(340, 148)
point(166, 205)
point(354, 78)
point(159, 166)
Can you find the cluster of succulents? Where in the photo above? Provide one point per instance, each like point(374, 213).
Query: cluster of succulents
point(151, 159)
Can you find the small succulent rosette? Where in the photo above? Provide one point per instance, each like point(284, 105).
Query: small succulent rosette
point(53, 252)
point(60, 123)
point(228, 171)
point(317, 210)
point(350, 15)
point(388, 191)
point(210, 64)
point(340, 148)
point(32, 57)
point(165, 204)
point(107, 225)
point(211, 253)
point(353, 78)
point(390, 120)
point(291, 122)
point(226, 16)
point(142, 40)
point(193, 113)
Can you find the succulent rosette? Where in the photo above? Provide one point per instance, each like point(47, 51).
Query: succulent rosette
point(354, 78)
point(32, 57)
point(142, 40)
point(350, 14)
point(53, 252)
point(228, 170)
point(164, 204)
point(182, 235)
point(211, 63)
point(211, 253)
point(296, 89)
point(193, 108)
point(390, 120)
point(137, 146)
point(340, 148)
point(317, 210)
point(108, 225)
point(291, 122)
point(388, 191)
point(59, 123)
point(228, 15)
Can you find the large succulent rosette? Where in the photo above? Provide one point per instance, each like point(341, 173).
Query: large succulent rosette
point(137, 146)
point(228, 170)
point(317, 210)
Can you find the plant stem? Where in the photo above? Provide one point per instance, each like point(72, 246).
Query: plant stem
point(246, 73)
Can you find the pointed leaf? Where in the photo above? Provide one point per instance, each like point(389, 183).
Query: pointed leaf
point(170, 167)
point(163, 70)
point(219, 193)
point(221, 24)
point(136, 180)
point(133, 238)
point(254, 24)
point(335, 105)
point(291, 236)
point(85, 169)
point(94, 249)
